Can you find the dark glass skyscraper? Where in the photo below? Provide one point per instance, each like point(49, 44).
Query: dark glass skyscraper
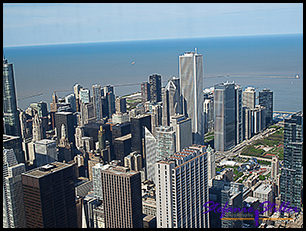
point(291, 176)
point(10, 112)
point(155, 88)
point(266, 100)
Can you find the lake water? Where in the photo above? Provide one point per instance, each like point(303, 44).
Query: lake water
point(268, 61)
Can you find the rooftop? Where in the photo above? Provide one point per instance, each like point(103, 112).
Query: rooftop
point(46, 169)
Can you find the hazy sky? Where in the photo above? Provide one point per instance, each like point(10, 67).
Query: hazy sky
point(53, 23)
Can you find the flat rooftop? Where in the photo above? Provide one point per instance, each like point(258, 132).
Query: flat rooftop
point(46, 169)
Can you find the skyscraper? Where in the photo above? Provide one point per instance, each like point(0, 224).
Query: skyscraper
point(97, 103)
point(121, 193)
point(224, 116)
point(182, 128)
point(137, 131)
point(266, 100)
point(13, 204)
point(182, 189)
point(191, 72)
point(249, 97)
point(165, 140)
point(291, 176)
point(10, 112)
point(49, 196)
point(171, 100)
point(155, 87)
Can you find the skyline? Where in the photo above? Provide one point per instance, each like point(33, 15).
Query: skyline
point(45, 24)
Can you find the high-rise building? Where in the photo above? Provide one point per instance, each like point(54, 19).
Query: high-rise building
point(41, 108)
point(208, 110)
point(155, 87)
point(182, 189)
point(171, 100)
point(15, 143)
point(13, 203)
point(291, 176)
point(145, 92)
point(121, 193)
point(224, 116)
point(137, 131)
point(249, 97)
point(10, 113)
point(38, 132)
point(66, 118)
point(150, 153)
point(72, 101)
point(274, 167)
point(84, 95)
point(97, 103)
point(238, 115)
point(191, 72)
point(45, 152)
point(182, 128)
point(165, 140)
point(109, 95)
point(266, 100)
point(120, 105)
point(49, 196)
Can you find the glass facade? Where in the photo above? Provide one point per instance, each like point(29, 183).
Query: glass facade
point(10, 113)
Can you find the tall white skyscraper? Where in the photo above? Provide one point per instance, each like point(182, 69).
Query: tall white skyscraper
point(191, 72)
point(249, 97)
point(182, 189)
point(13, 203)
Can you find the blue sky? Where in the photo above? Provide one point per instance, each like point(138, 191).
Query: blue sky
point(54, 23)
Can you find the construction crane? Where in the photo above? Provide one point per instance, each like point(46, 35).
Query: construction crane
point(30, 96)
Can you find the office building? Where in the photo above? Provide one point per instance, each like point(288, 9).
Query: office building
point(87, 113)
point(120, 105)
point(238, 115)
point(274, 167)
point(11, 123)
point(13, 202)
point(70, 99)
point(191, 72)
point(137, 131)
point(171, 100)
point(249, 97)
point(41, 108)
point(76, 90)
point(150, 153)
point(109, 95)
point(182, 190)
point(225, 192)
point(224, 116)
point(133, 161)
point(84, 95)
point(15, 143)
point(38, 131)
point(49, 196)
point(182, 129)
point(66, 118)
point(291, 176)
point(145, 92)
point(265, 193)
point(266, 100)
point(155, 88)
point(97, 103)
point(122, 146)
point(121, 193)
point(45, 152)
point(208, 110)
point(165, 140)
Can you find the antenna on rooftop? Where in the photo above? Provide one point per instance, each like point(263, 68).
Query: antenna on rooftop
point(195, 49)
